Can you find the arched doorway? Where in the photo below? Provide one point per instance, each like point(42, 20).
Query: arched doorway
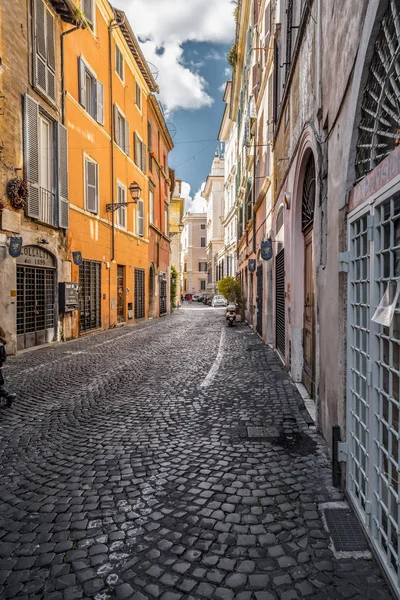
point(36, 299)
point(307, 222)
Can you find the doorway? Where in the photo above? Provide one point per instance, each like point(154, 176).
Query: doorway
point(259, 300)
point(120, 294)
point(307, 222)
point(35, 298)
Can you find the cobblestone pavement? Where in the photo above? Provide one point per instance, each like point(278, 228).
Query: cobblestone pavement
point(125, 473)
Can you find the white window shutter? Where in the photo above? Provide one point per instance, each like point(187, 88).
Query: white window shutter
point(40, 60)
point(31, 152)
point(126, 137)
point(62, 174)
point(140, 218)
point(99, 103)
point(51, 61)
point(116, 125)
point(82, 82)
point(91, 186)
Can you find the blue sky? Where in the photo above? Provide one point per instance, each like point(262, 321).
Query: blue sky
point(187, 42)
point(203, 123)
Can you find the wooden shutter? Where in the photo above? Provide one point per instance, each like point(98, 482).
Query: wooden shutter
point(137, 151)
point(40, 45)
point(99, 103)
point(256, 8)
point(126, 140)
point(31, 151)
point(91, 186)
point(149, 136)
point(116, 125)
point(51, 61)
point(140, 218)
point(88, 9)
point(82, 82)
point(144, 156)
point(62, 173)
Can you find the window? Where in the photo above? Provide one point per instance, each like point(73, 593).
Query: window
point(119, 63)
point(203, 267)
point(140, 153)
point(203, 242)
point(121, 130)
point(140, 218)
point(185, 267)
point(46, 166)
point(165, 162)
point(150, 144)
point(138, 96)
point(44, 59)
point(166, 224)
point(88, 9)
point(151, 204)
point(91, 186)
point(203, 285)
point(91, 92)
point(202, 226)
point(121, 211)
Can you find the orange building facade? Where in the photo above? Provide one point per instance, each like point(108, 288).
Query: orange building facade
point(109, 104)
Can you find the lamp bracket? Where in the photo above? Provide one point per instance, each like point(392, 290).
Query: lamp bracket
point(117, 205)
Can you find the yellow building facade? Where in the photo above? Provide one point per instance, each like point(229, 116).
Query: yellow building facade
point(106, 85)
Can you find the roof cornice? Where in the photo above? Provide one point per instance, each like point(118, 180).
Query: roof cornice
point(135, 49)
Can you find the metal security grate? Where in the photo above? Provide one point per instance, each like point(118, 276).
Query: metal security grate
point(89, 295)
point(387, 388)
point(308, 199)
point(379, 132)
point(139, 294)
point(359, 360)
point(346, 533)
point(280, 302)
point(35, 304)
point(163, 296)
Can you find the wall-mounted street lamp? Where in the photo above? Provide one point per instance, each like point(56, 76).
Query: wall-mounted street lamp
point(181, 228)
point(135, 190)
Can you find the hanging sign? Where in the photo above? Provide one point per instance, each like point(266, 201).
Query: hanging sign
point(252, 265)
point(266, 250)
point(15, 246)
point(77, 258)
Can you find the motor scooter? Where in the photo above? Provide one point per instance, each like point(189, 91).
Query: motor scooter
point(230, 314)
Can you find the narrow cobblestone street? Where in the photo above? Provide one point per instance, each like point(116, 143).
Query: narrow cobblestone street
point(126, 472)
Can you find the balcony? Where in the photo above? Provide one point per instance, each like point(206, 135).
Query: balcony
point(47, 207)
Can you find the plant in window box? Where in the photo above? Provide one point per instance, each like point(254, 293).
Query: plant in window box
point(17, 192)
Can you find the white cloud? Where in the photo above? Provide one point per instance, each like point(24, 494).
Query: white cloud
point(222, 87)
point(196, 203)
point(166, 26)
point(214, 55)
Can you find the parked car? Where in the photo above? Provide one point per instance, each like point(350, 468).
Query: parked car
point(219, 301)
point(200, 298)
point(205, 298)
point(210, 299)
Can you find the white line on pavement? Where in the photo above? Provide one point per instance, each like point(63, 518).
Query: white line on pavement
point(217, 363)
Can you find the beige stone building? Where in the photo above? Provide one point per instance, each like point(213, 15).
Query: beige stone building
point(213, 193)
point(176, 209)
point(33, 151)
point(194, 254)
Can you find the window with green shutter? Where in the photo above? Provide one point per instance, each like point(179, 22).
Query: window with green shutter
point(121, 130)
point(140, 153)
point(44, 55)
point(140, 218)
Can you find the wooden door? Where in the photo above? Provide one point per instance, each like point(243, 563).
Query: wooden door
point(309, 326)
